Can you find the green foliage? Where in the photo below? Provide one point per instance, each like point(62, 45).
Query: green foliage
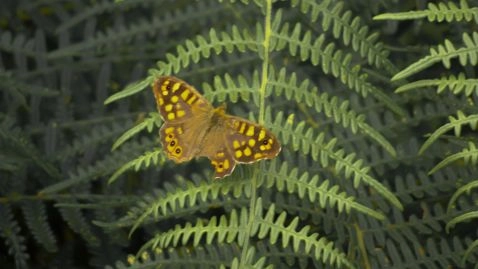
point(445, 53)
point(443, 11)
point(456, 84)
point(364, 173)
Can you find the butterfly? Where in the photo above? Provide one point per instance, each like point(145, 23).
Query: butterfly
point(194, 128)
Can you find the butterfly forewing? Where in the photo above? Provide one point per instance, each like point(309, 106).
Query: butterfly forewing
point(178, 101)
point(250, 142)
point(184, 112)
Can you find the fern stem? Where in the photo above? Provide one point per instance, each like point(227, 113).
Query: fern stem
point(265, 62)
point(262, 94)
point(361, 246)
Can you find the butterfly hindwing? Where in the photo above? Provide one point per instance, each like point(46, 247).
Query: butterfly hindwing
point(172, 138)
point(223, 163)
point(250, 142)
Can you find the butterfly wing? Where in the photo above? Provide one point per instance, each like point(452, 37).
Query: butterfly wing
point(234, 140)
point(178, 101)
point(185, 113)
point(214, 147)
point(177, 143)
point(250, 142)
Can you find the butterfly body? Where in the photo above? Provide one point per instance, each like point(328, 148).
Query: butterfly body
point(194, 128)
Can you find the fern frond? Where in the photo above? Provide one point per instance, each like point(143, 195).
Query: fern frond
point(114, 37)
point(286, 85)
point(349, 28)
point(402, 228)
point(273, 228)
point(461, 218)
point(104, 167)
point(407, 228)
point(455, 84)
point(468, 253)
point(10, 232)
point(183, 257)
point(18, 45)
point(154, 120)
point(437, 12)
point(438, 253)
point(18, 87)
point(232, 89)
point(170, 203)
point(469, 156)
point(429, 111)
point(99, 201)
point(202, 48)
point(467, 188)
point(96, 9)
point(164, 204)
point(78, 223)
point(332, 107)
point(285, 179)
point(444, 53)
point(412, 186)
point(248, 261)
point(195, 195)
point(226, 229)
point(455, 124)
point(192, 51)
point(332, 61)
point(144, 161)
point(98, 135)
point(319, 150)
point(15, 138)
point(36, 219)
point(129, 90)
point(285, 257)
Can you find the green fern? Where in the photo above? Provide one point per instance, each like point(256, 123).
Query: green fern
point(445, 53)
point(229, 230)
point(437, 12)
point(78, 223)
point(35, 214)
point(363, 176)
point(99, 169)
point(276, 38)
point(351, 30)
point(463, 189)
point(458, 85)
point(332, 60)
point(469, 155)
point(11, 234)
point(455, 124)
point(148, 124)
point(193, 194)
point(17, 139)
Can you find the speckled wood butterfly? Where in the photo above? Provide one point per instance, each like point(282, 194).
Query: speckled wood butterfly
point(194, 128)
